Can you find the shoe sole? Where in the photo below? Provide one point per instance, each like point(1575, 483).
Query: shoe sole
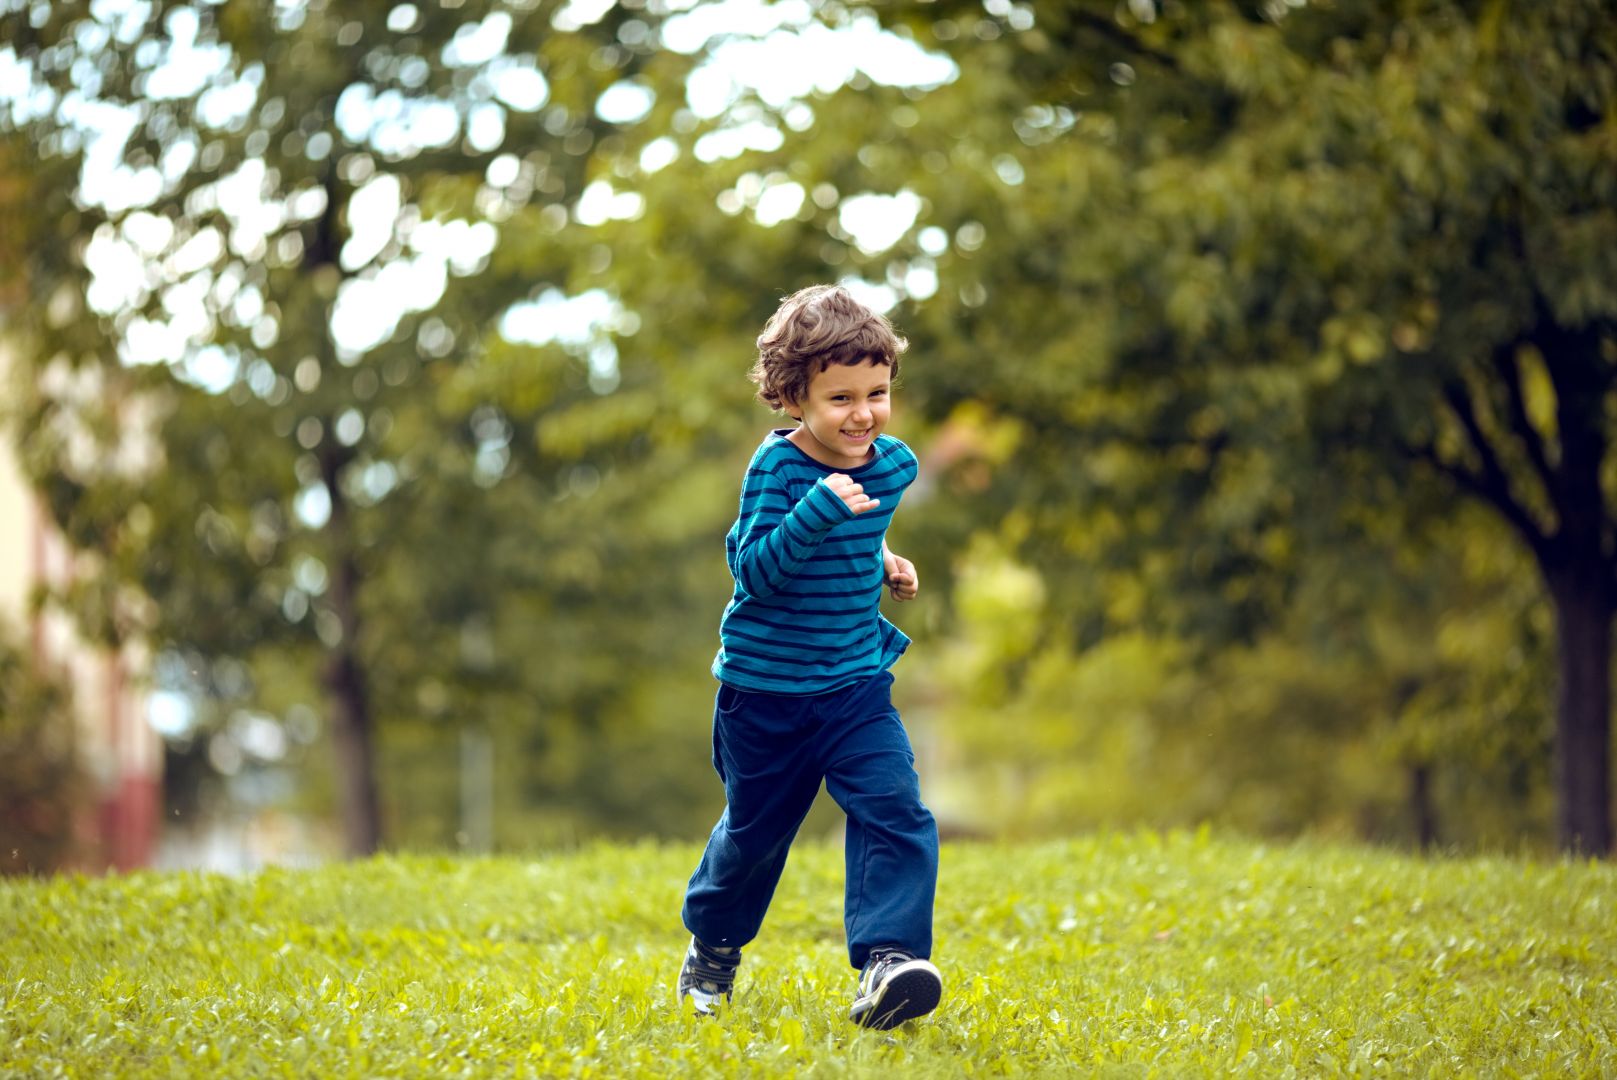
point(911, 991)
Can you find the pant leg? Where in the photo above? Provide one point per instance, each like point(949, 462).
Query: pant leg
point(770, 781)
point(892, 839)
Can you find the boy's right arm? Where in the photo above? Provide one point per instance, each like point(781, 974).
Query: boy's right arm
point(777, 537)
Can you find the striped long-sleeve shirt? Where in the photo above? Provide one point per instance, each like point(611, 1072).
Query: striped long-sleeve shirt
point(805, 617)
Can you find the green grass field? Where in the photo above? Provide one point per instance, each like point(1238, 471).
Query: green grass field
point(1119, 955)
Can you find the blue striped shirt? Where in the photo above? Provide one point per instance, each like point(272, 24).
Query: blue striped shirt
point(805, 617)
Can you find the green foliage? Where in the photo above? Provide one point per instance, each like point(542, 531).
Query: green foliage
point(1267, 292)
point(1238, 307)
point(1245, 261)
point(42, 782)
point(1408, 714)
point(1127, 954)
point(484, 495)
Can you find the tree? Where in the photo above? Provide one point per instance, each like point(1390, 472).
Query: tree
point(42, 783)
point(1237, 272)
point(1407, 710)
point(1206, 301)
point(318, 219)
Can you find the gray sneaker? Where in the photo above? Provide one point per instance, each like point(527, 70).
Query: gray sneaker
point(893, 988)
point(708, 976)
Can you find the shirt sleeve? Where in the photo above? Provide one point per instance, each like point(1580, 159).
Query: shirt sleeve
point(774, 537)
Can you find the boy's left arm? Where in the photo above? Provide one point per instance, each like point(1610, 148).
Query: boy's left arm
point(900, 571)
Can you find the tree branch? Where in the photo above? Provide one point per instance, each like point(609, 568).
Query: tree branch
point(1504, 361)
point(1490, 483)
point(1478, 485)
point(1114, 33)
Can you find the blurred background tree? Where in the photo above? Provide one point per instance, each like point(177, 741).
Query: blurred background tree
point(42, 782)
point(1249, 281)
point(1261, 366)
point(329, 497)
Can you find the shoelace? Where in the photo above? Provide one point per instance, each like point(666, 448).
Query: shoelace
point(880, 961)
point(709, 970)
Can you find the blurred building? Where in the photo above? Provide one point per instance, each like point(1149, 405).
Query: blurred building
point(120, 751)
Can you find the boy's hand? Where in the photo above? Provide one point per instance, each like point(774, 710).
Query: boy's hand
point(901, 577)
point(843, 487)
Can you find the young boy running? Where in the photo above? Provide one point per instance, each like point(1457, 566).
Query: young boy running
point(803, 668)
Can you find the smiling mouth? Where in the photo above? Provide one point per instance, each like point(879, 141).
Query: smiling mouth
point(856, 434)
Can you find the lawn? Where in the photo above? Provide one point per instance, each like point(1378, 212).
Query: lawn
point(1131, 954)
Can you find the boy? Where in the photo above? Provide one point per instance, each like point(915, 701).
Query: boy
point(803, 668)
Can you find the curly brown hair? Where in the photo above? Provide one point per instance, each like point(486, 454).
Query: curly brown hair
point(812, 329)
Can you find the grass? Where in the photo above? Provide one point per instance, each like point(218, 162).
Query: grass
point(1118, 955)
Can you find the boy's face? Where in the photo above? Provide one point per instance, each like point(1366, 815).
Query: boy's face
point(843, 410)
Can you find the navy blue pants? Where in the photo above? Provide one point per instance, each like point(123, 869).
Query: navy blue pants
point(772, 751)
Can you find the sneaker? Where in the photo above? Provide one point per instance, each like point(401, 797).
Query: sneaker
point(893, 988)
point(707, 976)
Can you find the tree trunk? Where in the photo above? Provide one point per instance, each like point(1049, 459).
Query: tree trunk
point(346, 691)
point(1583, 619)
point(346, 688)
point(1422, 809)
